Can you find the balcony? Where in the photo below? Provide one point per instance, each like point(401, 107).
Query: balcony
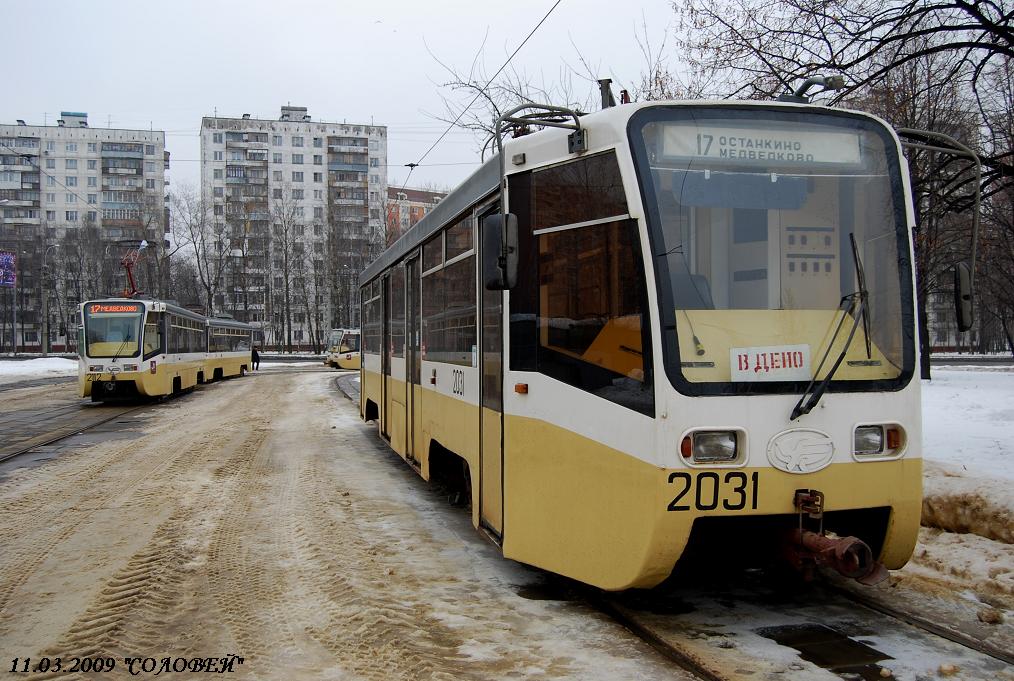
point(348, 167)
point(129, 222)
point(120, 171)
point(346, 148)
point(107, 153)
point(343, 183)
point(348, 202)
point(246, 180)
point(246, 162)
point(244, 144)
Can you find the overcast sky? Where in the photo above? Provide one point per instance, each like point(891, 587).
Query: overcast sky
point(142, 65)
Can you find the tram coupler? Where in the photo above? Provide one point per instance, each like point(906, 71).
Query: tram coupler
point(850, 556)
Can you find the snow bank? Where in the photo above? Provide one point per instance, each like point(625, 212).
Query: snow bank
point(968, 446)
point(12, 371)
point(957, 503)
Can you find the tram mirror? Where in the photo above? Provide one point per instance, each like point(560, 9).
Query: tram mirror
point(963, 296)
point(499, 268)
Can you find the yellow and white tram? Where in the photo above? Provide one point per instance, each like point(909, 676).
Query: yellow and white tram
point(148, 348)
point(343, 349)
point(662, 328)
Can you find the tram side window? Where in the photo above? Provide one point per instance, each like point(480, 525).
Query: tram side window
point(397, 311)
point(448, 299)
point(371, 318)
point(580, 314)
point(154, 343)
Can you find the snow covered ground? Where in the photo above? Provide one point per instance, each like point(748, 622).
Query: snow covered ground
point(13, 371)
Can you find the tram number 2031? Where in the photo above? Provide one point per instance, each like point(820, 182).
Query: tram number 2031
point(735, 491)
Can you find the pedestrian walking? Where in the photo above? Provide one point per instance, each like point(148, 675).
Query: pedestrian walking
point(255, 358)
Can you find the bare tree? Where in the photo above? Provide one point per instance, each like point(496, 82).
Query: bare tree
point(206, 238)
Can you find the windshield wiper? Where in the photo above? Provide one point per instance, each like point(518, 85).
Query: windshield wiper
point(126, 340)
point(847, 305)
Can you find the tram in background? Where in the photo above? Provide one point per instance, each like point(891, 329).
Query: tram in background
point(342, 350)
point(133, 348)
point(664, 330)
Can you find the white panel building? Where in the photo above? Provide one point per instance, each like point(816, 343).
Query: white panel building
point(297, 206)
point(69, 176)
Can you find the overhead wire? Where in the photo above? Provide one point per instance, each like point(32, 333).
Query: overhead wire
point(412, 166)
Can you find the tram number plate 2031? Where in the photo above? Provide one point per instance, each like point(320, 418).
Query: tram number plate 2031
point(706, 491)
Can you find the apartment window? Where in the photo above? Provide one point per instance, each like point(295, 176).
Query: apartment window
point(218, 156)
point(70, 181)
point(299, 212)
point(219, 192)
point(374, 162)
point(216, 137)
point(50, 146)
point(318, 230)
point(276, 140)
point(149, 149)
point(93, 164)
point(92, 181)
point(50, 163)
point(236, 155)
point(297, 176)
point(297, 141)
point(50, 214)
point(219, 210)
point(375, 179)
point(297, 193)
point(276, 175)
point(318, 177)
point(71, 147)
point(297, 159)
point(71, 163)
point(373, 196)
point(318, 142)
point(149, 183)
point(318, 212)
point(92, 147)
point(92, 216)
point(149, 166)
point(217, 173)
point(318, 193)
point(318, 160)
point(50, 197)
point(70, 198)
point(276, 158)
point(71, 215)
point(93, 198)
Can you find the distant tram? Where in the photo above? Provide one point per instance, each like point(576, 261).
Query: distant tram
point(343, 349)
point(132, 348)
point(663, 330)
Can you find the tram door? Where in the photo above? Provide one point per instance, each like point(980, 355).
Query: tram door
point(491, 399)
point(385, 357)
point(413, 359)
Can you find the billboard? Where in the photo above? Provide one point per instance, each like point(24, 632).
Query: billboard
point(8, 268)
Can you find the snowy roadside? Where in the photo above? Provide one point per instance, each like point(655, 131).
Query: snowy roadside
point(15, 371)
point(966, 546)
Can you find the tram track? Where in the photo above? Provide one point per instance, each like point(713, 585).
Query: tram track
point(708, 647)
point(64, 430)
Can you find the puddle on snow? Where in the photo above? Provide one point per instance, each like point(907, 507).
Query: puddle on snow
point(830, 649)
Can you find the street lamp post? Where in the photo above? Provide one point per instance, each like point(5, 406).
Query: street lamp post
point(46, 347)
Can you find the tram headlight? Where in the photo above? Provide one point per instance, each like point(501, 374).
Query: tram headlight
point(95, 368)
point(880, 441)
point(130, 367)
point(711, 446)
point(868, 440)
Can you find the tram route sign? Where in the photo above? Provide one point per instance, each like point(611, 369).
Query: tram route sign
point(8, 269)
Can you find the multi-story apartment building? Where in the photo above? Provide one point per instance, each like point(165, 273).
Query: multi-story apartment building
point(296, 206)
point(406, 206)
point(72, 199)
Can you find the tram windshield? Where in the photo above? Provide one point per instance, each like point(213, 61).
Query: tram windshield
point(113, 329)
point(752, 214)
